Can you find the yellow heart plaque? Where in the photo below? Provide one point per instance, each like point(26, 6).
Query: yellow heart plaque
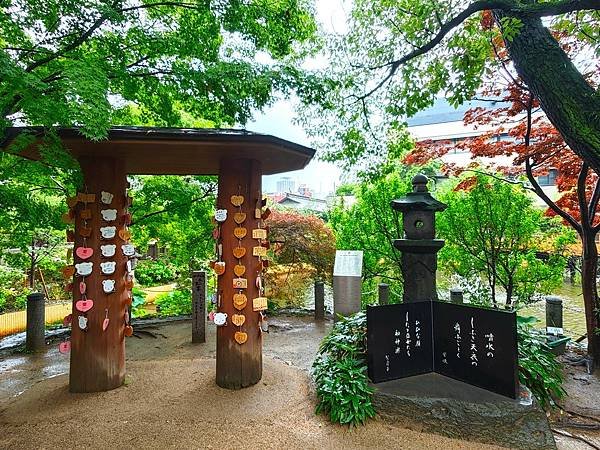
point(238, 319)
point(237, 200)
point(240, 337)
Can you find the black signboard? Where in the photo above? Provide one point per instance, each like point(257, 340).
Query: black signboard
point(471, 344)
point(399, 339)
point(477, 346)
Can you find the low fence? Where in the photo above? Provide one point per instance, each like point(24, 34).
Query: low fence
point(15, 322)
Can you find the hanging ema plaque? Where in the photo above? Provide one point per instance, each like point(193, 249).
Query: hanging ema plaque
point(474, 345)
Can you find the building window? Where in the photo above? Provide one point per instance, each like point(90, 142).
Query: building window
point(549, 179)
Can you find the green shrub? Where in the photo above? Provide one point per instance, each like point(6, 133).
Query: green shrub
point(342, 383)
point(138, 303)
point(154, 272)
point(174, 303)
point(538, 368)
point(13, 291)
point(340, 373)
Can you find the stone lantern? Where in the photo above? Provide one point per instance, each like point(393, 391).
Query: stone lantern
point(419, 247)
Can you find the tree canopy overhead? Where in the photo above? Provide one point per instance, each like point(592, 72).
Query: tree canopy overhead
point(93, 63)
point(397, 57)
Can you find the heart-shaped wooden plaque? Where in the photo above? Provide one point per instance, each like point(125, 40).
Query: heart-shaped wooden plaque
point(219, 267)
point(68, 271)
point(240, 337)
point(85, 231)
point(128, 330)
point(239, 217)
point(239, 252)
point(239, 301)
point(240, 232)
point(84, 252)
point(64, 347)
point(237, 200)
point(239, 270)
point(84, 305)
point(238, 319)
point(124, 234)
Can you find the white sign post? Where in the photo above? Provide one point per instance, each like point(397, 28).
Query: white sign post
point(347, 273)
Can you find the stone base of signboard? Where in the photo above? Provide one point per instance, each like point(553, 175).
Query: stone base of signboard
point(439, 404)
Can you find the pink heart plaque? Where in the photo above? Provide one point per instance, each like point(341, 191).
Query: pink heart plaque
point(105, 324)
point(82, 287)
point(64, 347)
point(84, 305)
point(84, 252)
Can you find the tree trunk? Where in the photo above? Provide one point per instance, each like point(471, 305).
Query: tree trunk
point(589, 272)
point(570, 103)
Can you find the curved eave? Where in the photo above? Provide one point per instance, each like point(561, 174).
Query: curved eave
point(176, 151)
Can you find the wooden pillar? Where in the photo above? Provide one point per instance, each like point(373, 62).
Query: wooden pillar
point(239, 365)
point(198, 306)
point(97, 355)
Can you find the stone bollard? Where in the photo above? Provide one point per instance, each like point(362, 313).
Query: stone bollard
point(554, 315)
point(384, 293)
point(36, 322)
point(198, 307)
point(456, 296)
point(319, 300)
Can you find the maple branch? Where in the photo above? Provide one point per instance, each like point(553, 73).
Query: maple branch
point(152, 5)
point(508, 6)
point(583, 207)
point(594, 202)
point(553, 206)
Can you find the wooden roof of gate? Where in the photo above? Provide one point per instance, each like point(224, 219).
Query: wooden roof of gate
point(176, 151)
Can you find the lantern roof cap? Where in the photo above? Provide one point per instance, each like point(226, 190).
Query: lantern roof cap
point(418, 200)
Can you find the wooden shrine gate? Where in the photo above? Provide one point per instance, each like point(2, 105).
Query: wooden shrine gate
point(101, 274)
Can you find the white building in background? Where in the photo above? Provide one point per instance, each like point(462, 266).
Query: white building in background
point(286, 184)
point(443, 122)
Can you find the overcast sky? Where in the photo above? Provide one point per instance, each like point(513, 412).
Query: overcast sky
point(277, 120)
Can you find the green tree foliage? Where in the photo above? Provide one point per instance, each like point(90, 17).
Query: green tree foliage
point(372, 226)
point(493, 232)
point(176, 212)
point(32, 235)
point(396, 57)
point(94, 63)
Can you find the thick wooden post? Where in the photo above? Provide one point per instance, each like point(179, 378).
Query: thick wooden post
point(239, 365)
point(319, 300)
point(198, 306)
point(97, 356)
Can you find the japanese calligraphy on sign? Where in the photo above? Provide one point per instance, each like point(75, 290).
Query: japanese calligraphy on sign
point(474, 345)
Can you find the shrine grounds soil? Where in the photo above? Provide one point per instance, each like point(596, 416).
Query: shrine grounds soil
point(170, 400)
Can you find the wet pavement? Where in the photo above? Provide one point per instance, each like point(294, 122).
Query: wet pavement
point(292, 339)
